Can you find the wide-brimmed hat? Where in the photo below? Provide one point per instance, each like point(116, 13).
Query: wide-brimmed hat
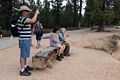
point(24, 8)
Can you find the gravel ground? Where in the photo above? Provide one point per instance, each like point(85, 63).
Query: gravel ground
point(83, 64)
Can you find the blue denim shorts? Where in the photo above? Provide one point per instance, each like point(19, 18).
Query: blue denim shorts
point(24, 46)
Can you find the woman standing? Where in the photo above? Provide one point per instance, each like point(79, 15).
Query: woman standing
point(37, 29)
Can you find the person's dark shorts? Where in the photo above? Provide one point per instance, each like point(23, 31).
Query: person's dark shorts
point(38, 36)
point(0, 32)
point(24, 46)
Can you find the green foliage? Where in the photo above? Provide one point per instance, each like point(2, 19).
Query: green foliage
point(46, 16)
point(68, 16)
point(57, 11)
point(102, 10)
point(53, 13)
point(58, 15)
point(6, 33)
point(5, 12)
point(116, 9)
point(109, 15)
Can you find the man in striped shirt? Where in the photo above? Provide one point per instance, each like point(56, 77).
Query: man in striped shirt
point(24, 31)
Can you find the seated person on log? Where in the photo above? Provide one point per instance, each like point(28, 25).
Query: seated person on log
point(54, 42)
point(62, 38)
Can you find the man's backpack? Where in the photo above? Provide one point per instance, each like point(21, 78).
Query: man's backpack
point(14, 30)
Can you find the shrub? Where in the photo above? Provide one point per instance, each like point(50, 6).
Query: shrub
point(6, 33)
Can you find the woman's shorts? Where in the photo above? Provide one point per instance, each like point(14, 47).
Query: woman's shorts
point(38, 36)
point(24, 46)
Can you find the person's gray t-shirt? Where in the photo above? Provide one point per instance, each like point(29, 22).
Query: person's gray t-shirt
point(53, 44)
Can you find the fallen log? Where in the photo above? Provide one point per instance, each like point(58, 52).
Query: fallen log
point(44, 58)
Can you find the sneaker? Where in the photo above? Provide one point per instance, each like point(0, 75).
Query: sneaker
point(67, 55)
point(58, 58)
point(25, 73)
point(61, 56)
point(28, 68)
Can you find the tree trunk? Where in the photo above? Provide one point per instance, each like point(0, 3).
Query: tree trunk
point(57, 14)
point(101, 26)
point(80, 14)
point(101, 22)
point(75, 12)
point(91, 23)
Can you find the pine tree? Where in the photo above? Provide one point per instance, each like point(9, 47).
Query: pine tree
point(99, 12)
point(80, 13)
point(5, 12)
point(56, 11)
point(117, 12)
point(89, 12)
point(68, 16)
point(46, 17)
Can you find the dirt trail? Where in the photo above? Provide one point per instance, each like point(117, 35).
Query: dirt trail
point(83, 64)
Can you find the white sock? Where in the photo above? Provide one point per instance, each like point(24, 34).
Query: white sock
point(22, 69)
point(37, 44)
point(25, 66)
